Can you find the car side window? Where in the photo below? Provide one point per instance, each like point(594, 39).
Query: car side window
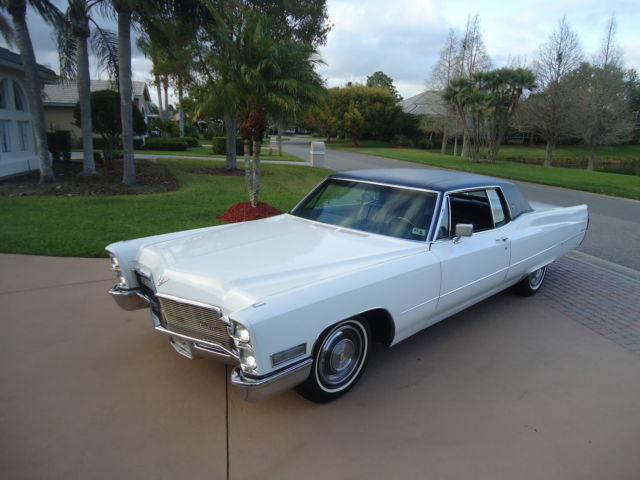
point(471, 207)
point(500, 216)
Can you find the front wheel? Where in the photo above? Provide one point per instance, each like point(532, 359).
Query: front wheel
point(531, 283)
point(339, 359)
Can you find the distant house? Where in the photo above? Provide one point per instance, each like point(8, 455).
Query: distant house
point(60, 100)
point(425, 103)
point(17, 145)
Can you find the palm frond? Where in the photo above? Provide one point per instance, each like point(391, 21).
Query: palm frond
point(48, 11)
point(6, 30)
point(67, 50)
point(104, 44)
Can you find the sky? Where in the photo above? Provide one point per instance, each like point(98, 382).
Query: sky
point(403, 38)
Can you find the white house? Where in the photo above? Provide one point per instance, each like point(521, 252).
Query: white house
point(17, 145)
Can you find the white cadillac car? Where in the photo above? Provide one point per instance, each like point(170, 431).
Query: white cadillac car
point(377, 255)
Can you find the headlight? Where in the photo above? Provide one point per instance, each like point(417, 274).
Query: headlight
point(242, 340)
point(115, 265)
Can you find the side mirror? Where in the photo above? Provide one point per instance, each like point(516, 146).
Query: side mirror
point(462, 230)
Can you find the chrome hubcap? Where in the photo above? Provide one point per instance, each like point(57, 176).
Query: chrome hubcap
point(535, 279)
point(340, 355)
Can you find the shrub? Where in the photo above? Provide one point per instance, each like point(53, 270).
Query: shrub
point(401, 140)
point(424, 143)
point(98, 143)
point(172, 144)
point(219, 145)
point(59, 141)
point(191, 141)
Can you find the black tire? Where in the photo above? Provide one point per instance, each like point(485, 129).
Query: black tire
point(339, 358)
point(531, 283)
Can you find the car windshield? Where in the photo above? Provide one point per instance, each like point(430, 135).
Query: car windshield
point(382, 209)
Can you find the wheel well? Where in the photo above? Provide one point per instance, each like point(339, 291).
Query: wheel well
point(381, 325)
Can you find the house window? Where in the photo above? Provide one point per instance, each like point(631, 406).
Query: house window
point(3, 93)
point(18, 97)
point(5, 135)
point(24, 135)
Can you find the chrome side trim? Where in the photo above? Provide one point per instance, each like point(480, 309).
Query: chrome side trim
point(257, 389)
point(129, 299)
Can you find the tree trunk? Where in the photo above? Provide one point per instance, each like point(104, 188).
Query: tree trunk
point(126, 105)
point(231, 128)
point(548, 153)
point(445, 140)
point(279, 139)
point(254, 193)
point(591, 165)
point(18, 12)
point(159, 91)
point(465, 143)
point(180, 111)
point(248, 170)
point(165, 86)
point(455, 145)
point(84, 96)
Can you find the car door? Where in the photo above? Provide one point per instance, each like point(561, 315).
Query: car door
point(471, 268)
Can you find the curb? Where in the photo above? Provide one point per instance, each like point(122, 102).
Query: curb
point(627, 272)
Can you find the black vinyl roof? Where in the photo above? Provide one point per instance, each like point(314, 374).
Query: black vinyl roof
point(439, 181)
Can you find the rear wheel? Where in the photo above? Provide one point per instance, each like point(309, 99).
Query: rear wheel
point(531, 283)
point(339, 359)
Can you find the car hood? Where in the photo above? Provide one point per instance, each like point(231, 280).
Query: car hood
point(238, 265)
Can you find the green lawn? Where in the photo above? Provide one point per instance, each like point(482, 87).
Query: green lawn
point(579, 179)
point(83, 226)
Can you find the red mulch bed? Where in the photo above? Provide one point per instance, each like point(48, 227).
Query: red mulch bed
point(242, 212)
point(152, 178)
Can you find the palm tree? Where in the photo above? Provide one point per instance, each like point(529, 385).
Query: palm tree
point(269, 76)
point(145, 13)
point(17, 9)
point(506, 86)
point(73, 48)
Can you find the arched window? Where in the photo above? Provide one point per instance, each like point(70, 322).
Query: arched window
point(18, 97)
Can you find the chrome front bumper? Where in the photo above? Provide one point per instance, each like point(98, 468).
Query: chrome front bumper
point(129, 299)
point(256, 389)
point(252, 389)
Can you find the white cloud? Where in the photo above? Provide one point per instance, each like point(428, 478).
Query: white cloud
point(404, 37)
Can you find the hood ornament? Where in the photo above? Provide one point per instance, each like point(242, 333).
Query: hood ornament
point(161, 281)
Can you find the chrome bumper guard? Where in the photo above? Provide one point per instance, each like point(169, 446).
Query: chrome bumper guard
point(258, 389)
point(129, 299)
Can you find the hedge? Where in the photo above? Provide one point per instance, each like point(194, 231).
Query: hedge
point(219, 145)
point(171, 144)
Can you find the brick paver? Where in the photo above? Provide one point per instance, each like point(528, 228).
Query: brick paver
point(607, 303)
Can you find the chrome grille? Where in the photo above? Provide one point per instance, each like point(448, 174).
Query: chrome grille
point(195, 321)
